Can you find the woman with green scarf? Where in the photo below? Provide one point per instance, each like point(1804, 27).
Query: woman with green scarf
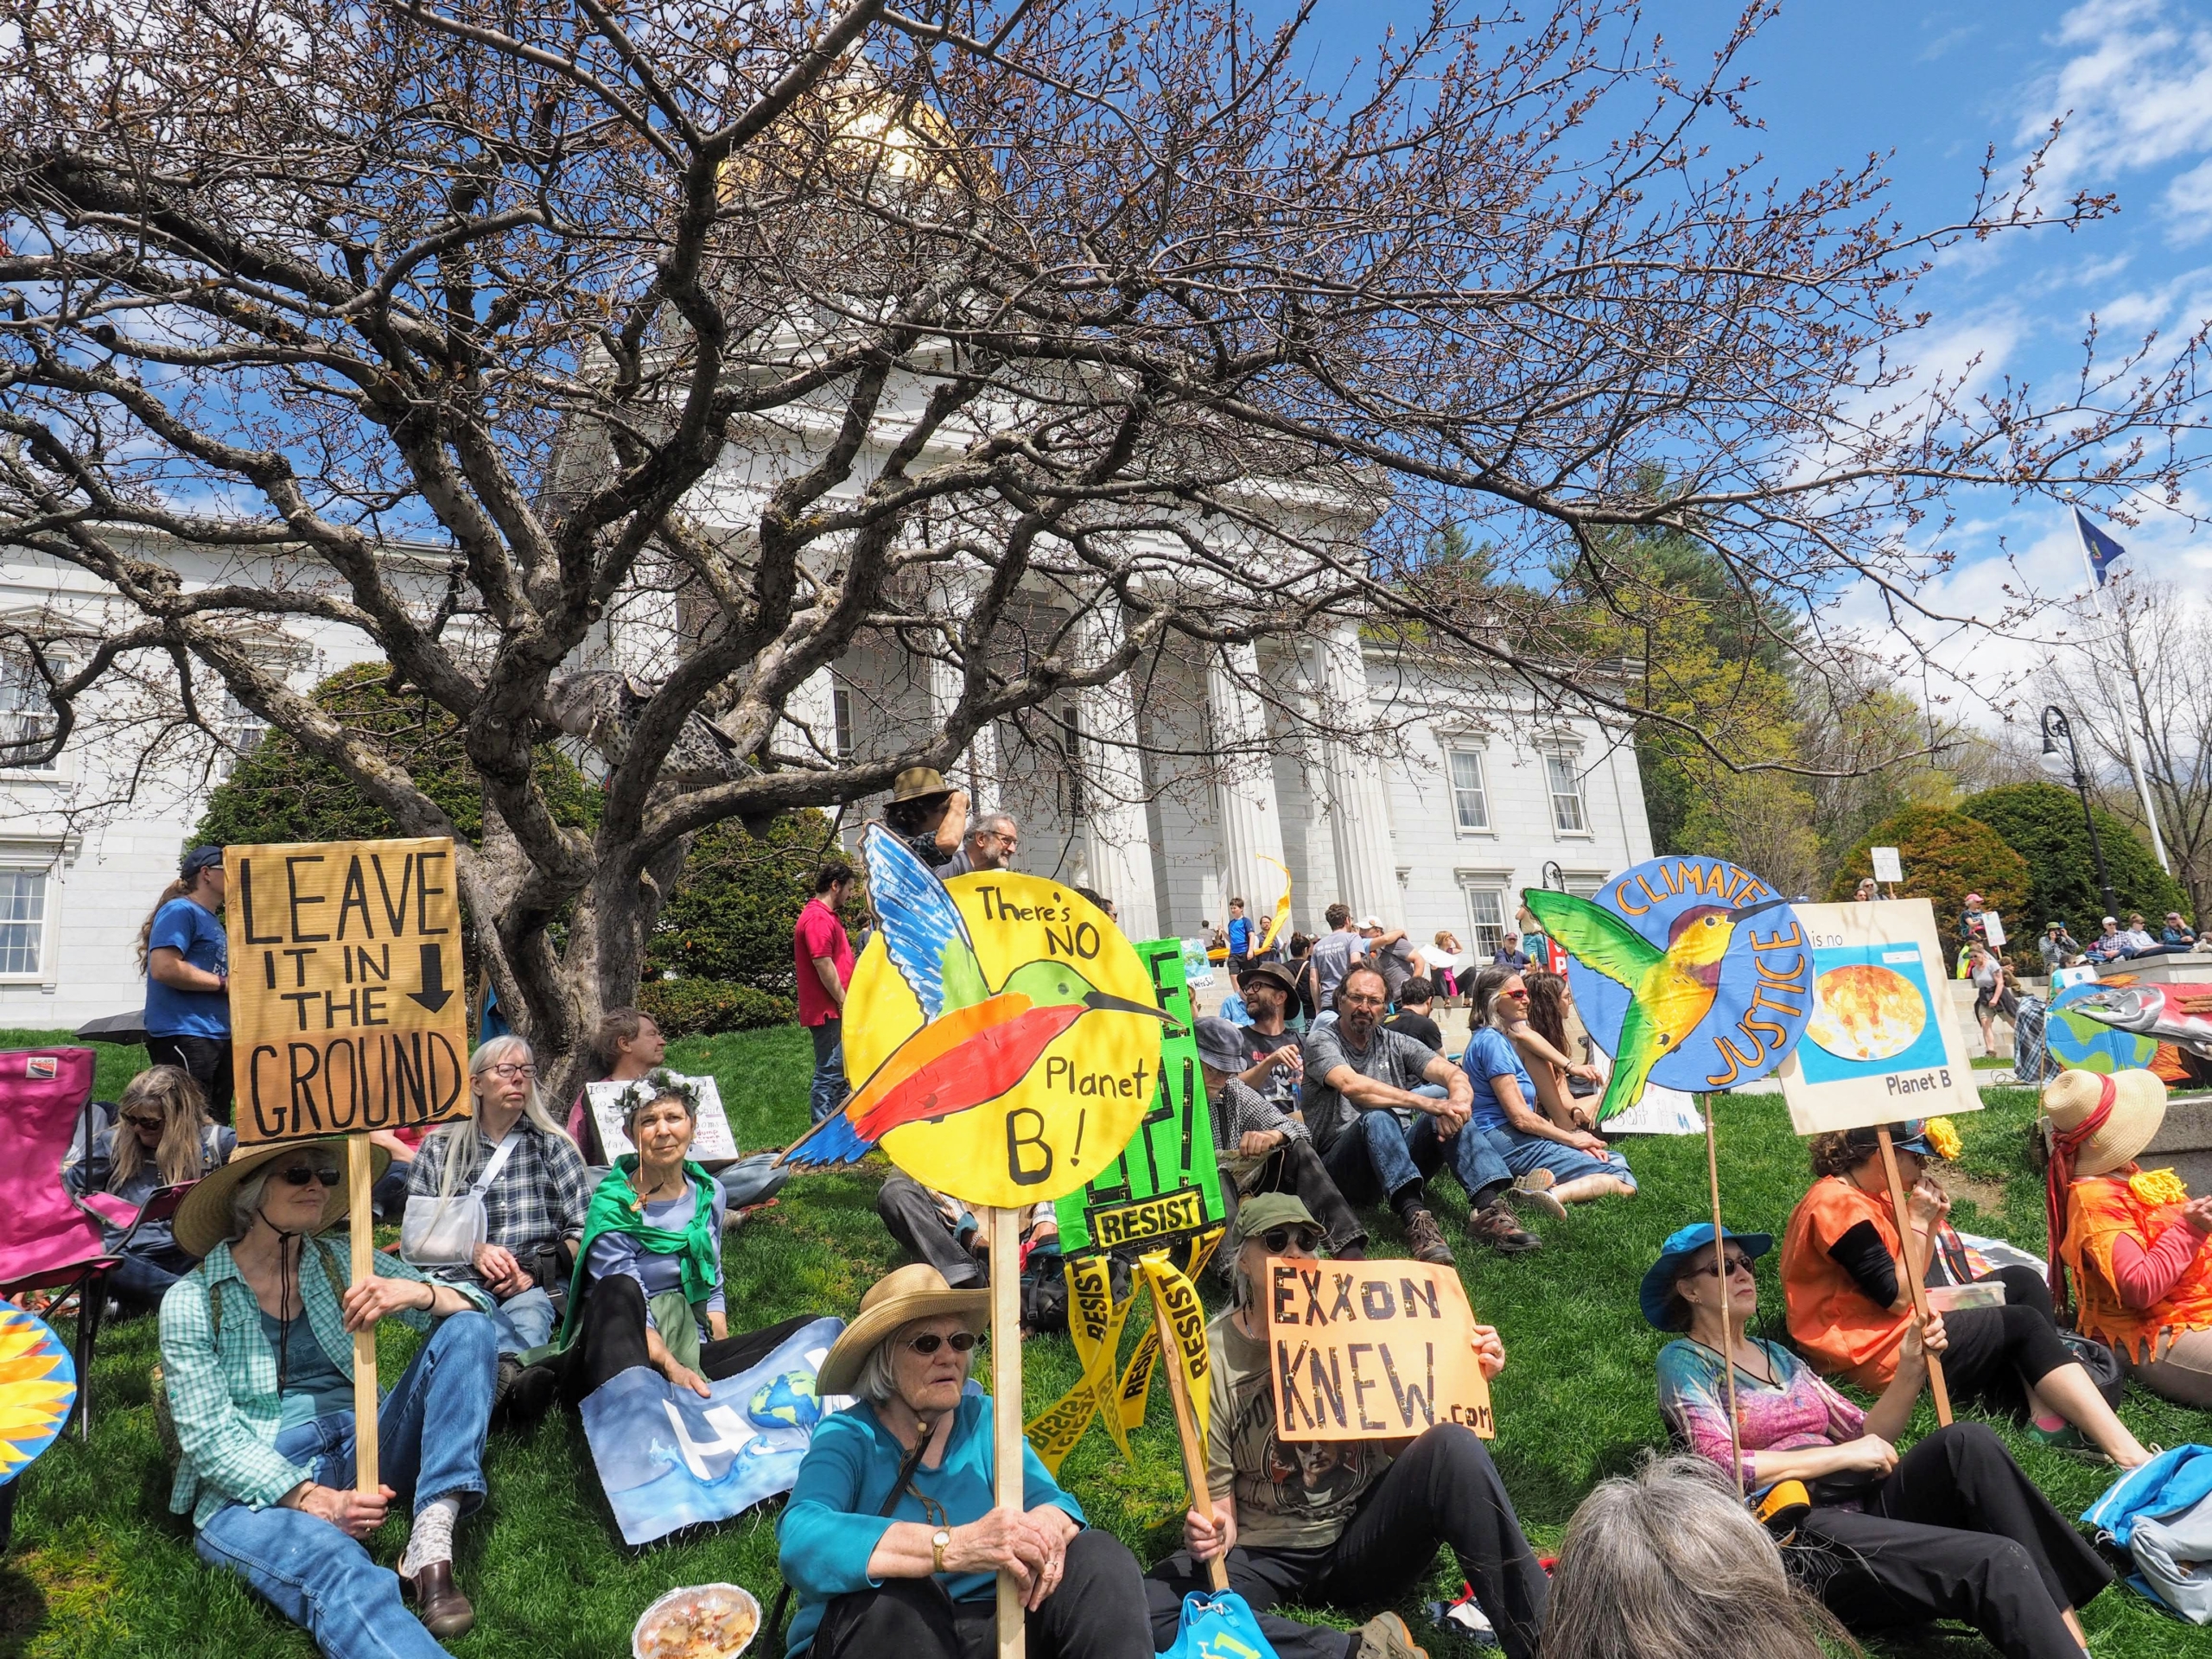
point(649, 1273)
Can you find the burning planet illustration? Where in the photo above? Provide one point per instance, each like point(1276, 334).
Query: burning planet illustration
point(1863, 1012)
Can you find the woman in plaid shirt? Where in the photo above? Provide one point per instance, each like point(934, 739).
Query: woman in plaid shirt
point(258, 1364)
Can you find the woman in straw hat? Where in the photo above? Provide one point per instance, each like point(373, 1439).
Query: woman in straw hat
point(2132, 1238)
point(890, 1539)
point(258, 1364)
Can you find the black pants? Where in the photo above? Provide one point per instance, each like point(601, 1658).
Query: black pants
point(1997, 1353)
point(1097, 1612)
point(611, 1338)
point(910, 1216)
point(1442, 1489)
point(1295, 1166)
point(207, 1059)
point(1957, 1531)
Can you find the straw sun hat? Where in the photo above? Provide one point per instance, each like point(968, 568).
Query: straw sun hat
point(203, 1219)
point(2138, 1107)
point(916, 1292)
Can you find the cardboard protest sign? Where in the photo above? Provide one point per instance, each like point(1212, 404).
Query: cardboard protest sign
point(714, 1144)
point(668, 1459)
point(1165, 1184)
point(1371, 1350)
point(1882, 1044)
point(346, 1012)
point(1887, 867)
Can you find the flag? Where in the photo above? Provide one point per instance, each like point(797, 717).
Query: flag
point(2100, 549)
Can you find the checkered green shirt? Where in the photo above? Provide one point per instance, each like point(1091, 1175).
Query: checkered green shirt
point(220, 1375)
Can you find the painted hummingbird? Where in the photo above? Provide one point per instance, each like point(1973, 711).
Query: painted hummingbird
point(1670, 990)
point(976, 1042)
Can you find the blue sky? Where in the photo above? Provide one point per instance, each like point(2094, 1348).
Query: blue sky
point(1935, 83)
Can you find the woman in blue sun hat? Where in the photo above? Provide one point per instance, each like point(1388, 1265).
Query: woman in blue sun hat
point(1951, 1529)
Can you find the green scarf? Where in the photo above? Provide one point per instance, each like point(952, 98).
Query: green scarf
point(616, 1208)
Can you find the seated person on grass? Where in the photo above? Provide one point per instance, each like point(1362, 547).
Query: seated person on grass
point(628, 1047)
point(257, 1369)
point(649, 1276)
point(161, 1136)
point(1951, 1529)
point(1380, 1138)
point(1346, 1524)
point(531, 1180)
point(1416, 999)
point(1260, 1148)
point(1850, 1309)
point(937, 1228)
point(1556, 1164)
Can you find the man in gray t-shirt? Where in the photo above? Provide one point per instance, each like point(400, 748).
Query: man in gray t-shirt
point(1379, 1139)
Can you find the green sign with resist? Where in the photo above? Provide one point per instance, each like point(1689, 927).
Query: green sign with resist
point(1164, 1188)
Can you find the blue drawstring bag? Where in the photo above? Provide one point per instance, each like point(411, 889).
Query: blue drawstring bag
point(1217, 1624)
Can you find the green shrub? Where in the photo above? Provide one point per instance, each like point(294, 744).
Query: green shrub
point(731, 914)
point(702, 1008)
point(2043, 823)
point(1946, 855)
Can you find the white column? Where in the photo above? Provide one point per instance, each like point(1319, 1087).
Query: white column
point(811, 713)
point(1117, 850)
point(1359, 809)
point(1244, 790)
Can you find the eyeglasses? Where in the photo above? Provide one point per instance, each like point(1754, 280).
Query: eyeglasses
point(143, 1122)
point(300, 1174)
point(1735, 1264)
point(1279, 1239)
point(929, 1342)
point(510, 1072)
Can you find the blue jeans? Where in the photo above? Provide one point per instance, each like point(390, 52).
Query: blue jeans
point(1376, 1157)
point(524, 1321)
point(829, 1091)
point(1524, 1154)
point(430, 1441)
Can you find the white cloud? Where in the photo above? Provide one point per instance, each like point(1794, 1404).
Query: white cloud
point(2135, 93)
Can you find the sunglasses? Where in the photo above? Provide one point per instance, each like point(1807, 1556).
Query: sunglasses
point(1735, 1264)
point(1279, 1239)
point(930, 1342)
point(143, 1123)
point(300, 1174)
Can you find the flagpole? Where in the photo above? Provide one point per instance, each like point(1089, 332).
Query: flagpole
point(2126, 725)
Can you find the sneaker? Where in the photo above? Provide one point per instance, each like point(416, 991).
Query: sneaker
point(1496, 1227)
point(1534, 1191)
point(1425, 1239)
point(1385, 1637)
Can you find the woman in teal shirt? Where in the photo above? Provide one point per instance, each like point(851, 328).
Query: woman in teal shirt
point(916, 1577)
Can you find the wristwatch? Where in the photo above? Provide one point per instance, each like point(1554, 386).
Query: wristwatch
point(938, 1540)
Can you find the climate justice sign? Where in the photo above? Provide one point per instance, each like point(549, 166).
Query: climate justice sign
point(347, 1012)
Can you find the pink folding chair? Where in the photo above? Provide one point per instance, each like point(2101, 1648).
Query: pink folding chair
point(47, 1242)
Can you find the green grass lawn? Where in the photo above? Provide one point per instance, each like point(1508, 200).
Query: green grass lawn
point(100, 1567)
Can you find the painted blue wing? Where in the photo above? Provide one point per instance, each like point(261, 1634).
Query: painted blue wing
point(922, 927)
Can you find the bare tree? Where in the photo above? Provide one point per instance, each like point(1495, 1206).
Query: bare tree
point(1028, 345)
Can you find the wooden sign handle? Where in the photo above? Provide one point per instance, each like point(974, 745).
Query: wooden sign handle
point(360, 1213)
point(1186, 1429)
point(1727, 1303)
point(1006, 1409)
point(1913, 1269)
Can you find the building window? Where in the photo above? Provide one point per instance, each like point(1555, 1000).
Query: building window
point(1470, 800)
point(1567, 816)
point(241, 730)
point(22, 923)
point(841, 718)
point(1585, 886)
point(26, 719)
point(1485, 921)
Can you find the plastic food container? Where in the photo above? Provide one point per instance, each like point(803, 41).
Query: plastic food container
point(701, 1621)
point(1950, 1299)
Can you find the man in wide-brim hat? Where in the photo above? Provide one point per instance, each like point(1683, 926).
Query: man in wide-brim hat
point(927, 813)
point(891, 1538)
point(258, 1365)
point(2132, 1238)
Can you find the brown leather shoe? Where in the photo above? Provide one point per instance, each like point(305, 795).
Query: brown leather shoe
point(1425, 1239)
point(1496, 1228)
point(445, 1612)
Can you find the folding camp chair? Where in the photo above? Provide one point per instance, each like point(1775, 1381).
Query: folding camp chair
point(47, 1242)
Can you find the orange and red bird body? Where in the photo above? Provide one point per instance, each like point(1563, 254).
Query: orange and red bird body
point(989, 1049)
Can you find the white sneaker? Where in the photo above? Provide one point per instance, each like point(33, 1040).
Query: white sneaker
point(1534, 1191)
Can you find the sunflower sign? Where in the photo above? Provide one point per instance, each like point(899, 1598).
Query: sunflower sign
point(38, 1386)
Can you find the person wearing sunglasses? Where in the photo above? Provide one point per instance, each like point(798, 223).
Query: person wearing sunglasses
point(1951, 1529)
point(162, 1137)
point(257, 1368)
point(1342, 1524)
point(891, 1542)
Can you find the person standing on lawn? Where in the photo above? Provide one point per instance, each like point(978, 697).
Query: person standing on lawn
point(185, 956)
point(823, 967)
point(926, 813)
point(1952, 1528)
point(1380, 1138)
point(1344, 1524)
point(992, 841)
point(1334, 952)
point(258, 1365)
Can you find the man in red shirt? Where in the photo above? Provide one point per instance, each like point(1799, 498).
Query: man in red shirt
point(822, 957)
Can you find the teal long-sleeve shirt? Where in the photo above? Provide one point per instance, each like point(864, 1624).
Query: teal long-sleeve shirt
point(831, 1524)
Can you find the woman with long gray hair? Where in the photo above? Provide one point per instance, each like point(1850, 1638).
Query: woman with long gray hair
point(494, 1199)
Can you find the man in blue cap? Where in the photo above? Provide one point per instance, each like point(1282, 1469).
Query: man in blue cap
point(186, 957)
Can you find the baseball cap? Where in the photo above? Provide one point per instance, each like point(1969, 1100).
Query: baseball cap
point(199, 859)
point(1370, 921)
point(2112, 921)
point(1256, 1214)
point(1973, 898)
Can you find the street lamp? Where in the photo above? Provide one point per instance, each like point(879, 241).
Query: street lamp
point(2069, 764)
point(1553, 876)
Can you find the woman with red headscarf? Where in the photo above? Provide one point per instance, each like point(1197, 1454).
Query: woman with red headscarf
point(2132, 1239)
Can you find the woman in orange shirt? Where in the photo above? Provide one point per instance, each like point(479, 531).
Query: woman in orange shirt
point(1850, 1307)
point(2132, 1239)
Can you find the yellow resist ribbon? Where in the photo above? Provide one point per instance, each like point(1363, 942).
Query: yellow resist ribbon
point(1135, 1392)
point(1186, 1317)
point(1094, 1324)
